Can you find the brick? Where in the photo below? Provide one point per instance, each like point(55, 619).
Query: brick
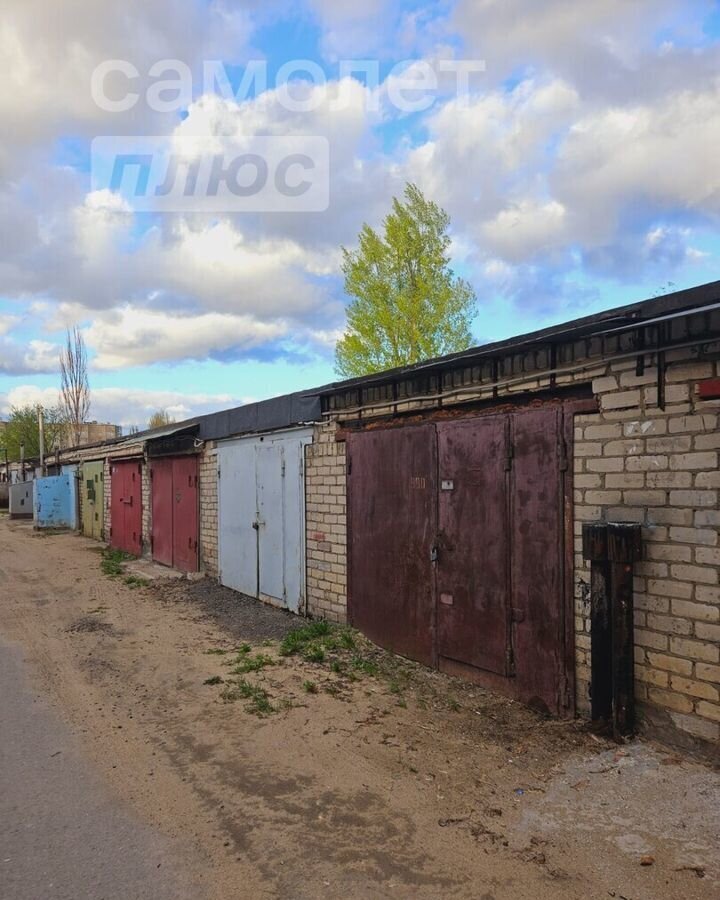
point(647, 463)
point(694, 461)
point(669, 624)
point(693, 498)
point(708, 441)
point(701, 728)
point(606, 383)
point(669, 663)
point(652, 676)
point(667, 588)
point(694, 649)
point(707, 480)
point(694, 573)
point(603, 498)
point(700, 611)
point(694, 536)
point(619, 400)
point(708, 556)
point(705, 631)
point(669, 480)
point(707, 594)
point(650, 639)
point(623, 448)
point(707, 672)
point(645, 498)
point(684, 424)
point(610, 464)
point(605, 432)
point(708, 711)
point(588, 481)
point(677, 702)
point(670, 516)
point(694, 688)
point(668, 552)
point(652, 604)
point(645, 428)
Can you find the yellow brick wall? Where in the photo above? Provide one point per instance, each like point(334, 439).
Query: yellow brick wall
point(208, 488)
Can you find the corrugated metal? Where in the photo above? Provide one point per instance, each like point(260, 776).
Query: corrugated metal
point(21, 500)
point(55, 504)
point(126, 506)
point(262, 516)
point(92, 499)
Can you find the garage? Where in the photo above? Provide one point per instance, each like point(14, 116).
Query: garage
point(261, 508)
point(126, 506)
point(92, 499)
point(463, 520)
point(174, 493)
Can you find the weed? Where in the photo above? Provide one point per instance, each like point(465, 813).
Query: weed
point(332, 689)
point(244, 648)
point(366, 666)
point(453, 704)
point(310, 687)
point(134, 581)
point(337, 667)
point(402, 703)
point(297, 639)
point(259, 698)
point(315, 653)
point(112, 561)
point(216, 679)
point(216, 651)
point(394, 687)
point(244, 663)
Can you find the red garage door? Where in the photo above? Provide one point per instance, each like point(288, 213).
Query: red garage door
point(175, 512)
point(126, 506)
point(457, 539)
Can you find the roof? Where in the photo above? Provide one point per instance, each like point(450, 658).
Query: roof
point(705, 297)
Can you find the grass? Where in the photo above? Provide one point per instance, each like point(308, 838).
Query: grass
point(259, 699)
point(246, 663)
point(112, 562)
point(216, 651)
point(134, 581)
point(310, 687)
point(296, 641)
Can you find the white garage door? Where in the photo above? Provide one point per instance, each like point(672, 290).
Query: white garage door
point(261, 540)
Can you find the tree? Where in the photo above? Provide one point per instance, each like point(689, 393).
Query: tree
point(407, 303)
point(74, 386)
point(22, 427)
point(160, 418)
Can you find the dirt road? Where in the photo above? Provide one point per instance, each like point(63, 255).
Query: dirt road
point(337, 770)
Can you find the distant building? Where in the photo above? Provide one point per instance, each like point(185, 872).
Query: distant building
point(90, 433)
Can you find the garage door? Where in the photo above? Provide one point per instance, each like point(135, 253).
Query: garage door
point(261, 515)
point(456, 547)
point(92, 499)
point(175, 512)
point(126, 506)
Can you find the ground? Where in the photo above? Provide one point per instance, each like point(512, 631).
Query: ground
point(213, 766)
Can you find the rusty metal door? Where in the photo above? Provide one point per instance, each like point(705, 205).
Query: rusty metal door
point(392, 497)
point(126, 506)
point(92, 499)
point(161, 476)
point(175, 512)
point(537, 568)
point(185, 513)
point(473, 544)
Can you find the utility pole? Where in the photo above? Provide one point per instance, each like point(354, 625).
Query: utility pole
point(41, 433)
point(22, 460)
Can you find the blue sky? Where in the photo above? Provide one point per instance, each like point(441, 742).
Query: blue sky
point(580, 173)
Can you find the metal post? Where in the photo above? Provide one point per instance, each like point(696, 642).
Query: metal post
point(22, 460)
point(624, 548)
point(41, 433)
point(595, 549)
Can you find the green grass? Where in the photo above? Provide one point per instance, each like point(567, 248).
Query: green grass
point(246, 663)
point(134, 581)
point(314, 653)
point(112, 562)
point(310, 687)
point(216, 651)
point(259, 699)
point(295, 641)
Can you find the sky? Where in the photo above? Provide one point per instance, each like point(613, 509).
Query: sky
point(578, 159)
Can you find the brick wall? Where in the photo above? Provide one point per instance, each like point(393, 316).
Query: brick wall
point(208, 487)
point(326, 525)
point(635, 462)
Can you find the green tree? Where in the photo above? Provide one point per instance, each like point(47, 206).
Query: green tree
point(407, 304)
point(22, 427)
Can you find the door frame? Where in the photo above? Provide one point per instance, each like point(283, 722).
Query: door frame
point(574, 401)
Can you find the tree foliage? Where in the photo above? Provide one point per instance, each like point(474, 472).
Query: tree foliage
point(159, 418)
point(74, 385)
point(407, 304)
point(22, 427)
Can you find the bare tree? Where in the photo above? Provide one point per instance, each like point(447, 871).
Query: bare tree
point(74, 386)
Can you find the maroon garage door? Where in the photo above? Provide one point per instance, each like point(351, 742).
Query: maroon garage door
point(457, 547)
point(126, 506)
point(175, 512)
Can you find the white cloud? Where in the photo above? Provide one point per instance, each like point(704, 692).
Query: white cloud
point(127, 406)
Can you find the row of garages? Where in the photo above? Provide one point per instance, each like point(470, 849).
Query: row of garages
point(440, 508)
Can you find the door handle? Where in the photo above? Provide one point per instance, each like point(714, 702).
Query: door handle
point(434, 552)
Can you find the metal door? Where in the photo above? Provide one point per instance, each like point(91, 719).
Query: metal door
point(392, 498)
point(185, 513)
point(126, 506)
point(537, 573)
point(161, 476)
point(92, 499)
point(262, 517)
point(472, 545)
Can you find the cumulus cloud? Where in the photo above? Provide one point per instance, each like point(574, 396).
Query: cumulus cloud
point(127, 406)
